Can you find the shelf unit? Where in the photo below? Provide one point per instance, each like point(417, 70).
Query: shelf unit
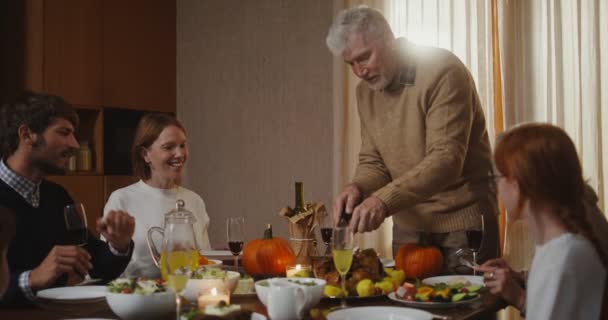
point(97, 54)
point(91, 130)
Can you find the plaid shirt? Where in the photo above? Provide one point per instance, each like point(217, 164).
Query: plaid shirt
point(30, 191)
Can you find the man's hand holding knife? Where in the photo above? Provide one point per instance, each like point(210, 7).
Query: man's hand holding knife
point(361, 215)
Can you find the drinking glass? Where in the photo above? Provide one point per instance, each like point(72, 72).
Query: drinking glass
point(474, 244)
point(179, 257)
point(234, 229)
point(75, 219)
point(326, 232)
point(342, 251)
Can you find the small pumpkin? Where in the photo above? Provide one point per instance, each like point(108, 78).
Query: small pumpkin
point(419, 260)
point(268, 256)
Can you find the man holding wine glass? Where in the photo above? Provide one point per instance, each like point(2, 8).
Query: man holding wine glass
point(425, 153)
point(37, 139)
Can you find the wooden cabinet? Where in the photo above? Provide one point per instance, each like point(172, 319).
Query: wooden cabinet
point(98, 54)
point(139, 54)
point(90, 131)
point(107, 53)
point(72, 50)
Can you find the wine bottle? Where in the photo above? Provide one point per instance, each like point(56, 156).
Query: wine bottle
point(299, 205)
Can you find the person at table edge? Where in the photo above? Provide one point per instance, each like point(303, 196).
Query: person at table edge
point(37, 139)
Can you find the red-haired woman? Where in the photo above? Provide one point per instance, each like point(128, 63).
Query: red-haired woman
point(540, 179)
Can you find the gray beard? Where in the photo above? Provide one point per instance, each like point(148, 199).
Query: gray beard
point(380, 85)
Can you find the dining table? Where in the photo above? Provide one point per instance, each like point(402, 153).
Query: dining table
point(484, 308)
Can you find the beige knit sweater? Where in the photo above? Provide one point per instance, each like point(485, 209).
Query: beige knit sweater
point(425, 150)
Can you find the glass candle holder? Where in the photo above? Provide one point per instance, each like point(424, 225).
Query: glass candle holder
point(299, 271)
point(212, 297)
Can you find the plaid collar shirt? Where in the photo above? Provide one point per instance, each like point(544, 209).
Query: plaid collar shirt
point(30, 191)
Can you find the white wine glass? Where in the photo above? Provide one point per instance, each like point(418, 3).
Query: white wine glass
point(468, 257)
point(474, 241)
point(342, 251)
point(75, 218)
point(179, 257)
point(234, 230)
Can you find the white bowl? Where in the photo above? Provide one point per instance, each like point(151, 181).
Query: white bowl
point(315, 291)
point(195, 286)
point(136, 306)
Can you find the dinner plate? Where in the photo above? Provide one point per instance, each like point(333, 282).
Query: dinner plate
point(214, 263)
point(74, 294)
point(216, 253)
point(388, 263)
point(453, 279)
point(432, 304)
point(378, 296)
point(379, 313)
point(87, 281)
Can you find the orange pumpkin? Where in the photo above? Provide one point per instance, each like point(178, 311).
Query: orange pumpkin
point(268, 256)
point(419, 261)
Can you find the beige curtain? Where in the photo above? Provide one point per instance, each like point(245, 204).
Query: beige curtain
point(555, 62)
point(463, 27)
point(555, 69)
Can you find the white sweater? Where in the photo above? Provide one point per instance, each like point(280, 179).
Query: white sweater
point(148, 206)
point(566, 280)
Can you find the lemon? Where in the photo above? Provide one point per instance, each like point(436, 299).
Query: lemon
point(315, 313)
point(325, 312)
point(397, 277)
point(389, 271)
point(365, 288)
point(332, 291)
point(386, 286)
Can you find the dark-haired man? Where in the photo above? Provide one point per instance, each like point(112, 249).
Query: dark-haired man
point(37, 139)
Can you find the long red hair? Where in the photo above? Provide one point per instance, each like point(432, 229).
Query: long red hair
point(545, 164)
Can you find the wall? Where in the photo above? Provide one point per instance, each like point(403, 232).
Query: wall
point(12, 49)
point(254, 90)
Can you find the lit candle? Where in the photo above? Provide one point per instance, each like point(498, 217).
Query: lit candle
point(213, 297)
point(298, 271)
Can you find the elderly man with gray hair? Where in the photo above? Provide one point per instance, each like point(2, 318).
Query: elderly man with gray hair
point(425, 156)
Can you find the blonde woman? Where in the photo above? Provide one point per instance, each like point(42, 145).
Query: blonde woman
point(159, 154)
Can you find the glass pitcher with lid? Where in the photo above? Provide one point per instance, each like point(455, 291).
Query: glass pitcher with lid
point(179, 244)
